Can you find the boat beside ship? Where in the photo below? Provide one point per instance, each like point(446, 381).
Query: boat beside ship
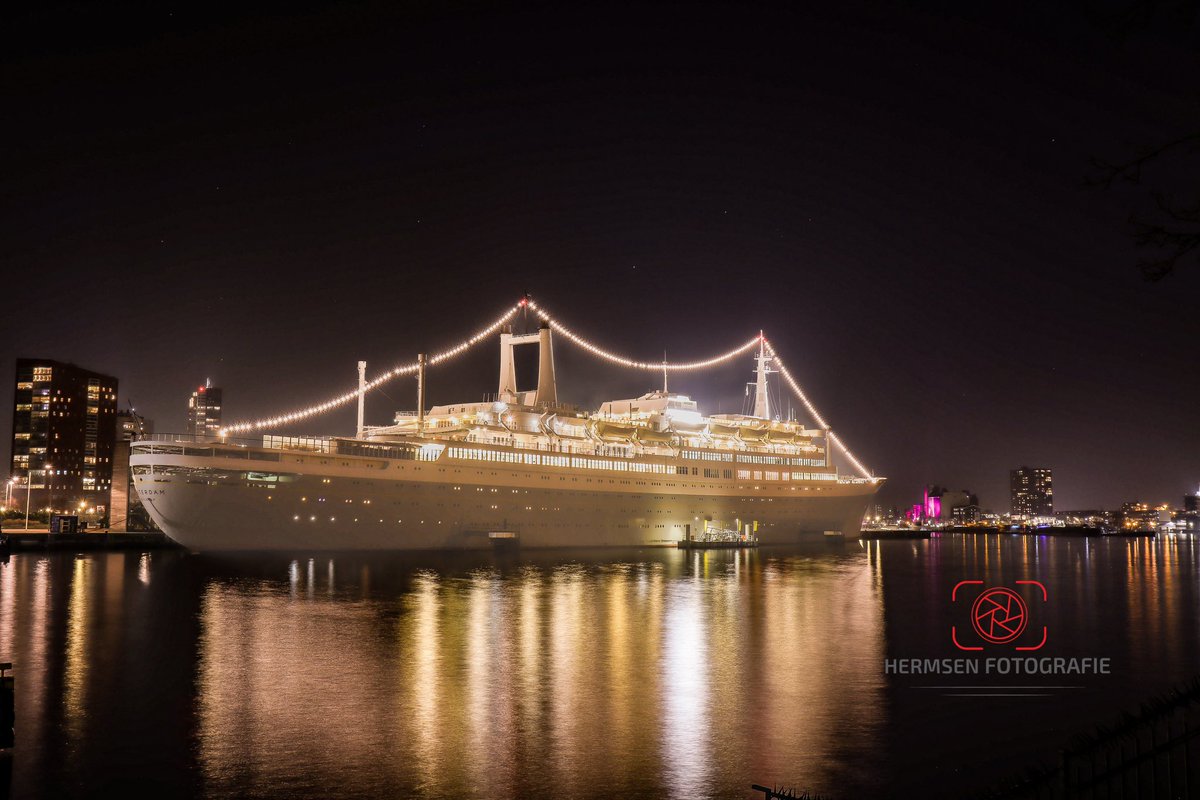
point(635, 472)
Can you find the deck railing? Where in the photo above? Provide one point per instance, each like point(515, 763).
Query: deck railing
point(264, 449)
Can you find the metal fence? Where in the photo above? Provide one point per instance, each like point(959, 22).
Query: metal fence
point(1152, 753)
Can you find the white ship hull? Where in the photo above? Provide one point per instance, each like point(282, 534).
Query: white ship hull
point(232, 500)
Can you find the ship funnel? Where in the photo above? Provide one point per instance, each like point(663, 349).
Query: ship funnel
point(508, 367)
point(547, 392)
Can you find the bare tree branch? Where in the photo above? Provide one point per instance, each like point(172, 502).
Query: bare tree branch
point(1131, 171)
point(1178, 213)
point(1172, 228)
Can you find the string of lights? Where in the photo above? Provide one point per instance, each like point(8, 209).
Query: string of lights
point(574, 338)
point(631, 363)
point(349, 397)
point(672, 367)
point(816, 415)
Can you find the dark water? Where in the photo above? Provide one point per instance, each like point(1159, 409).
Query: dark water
point(572, 674)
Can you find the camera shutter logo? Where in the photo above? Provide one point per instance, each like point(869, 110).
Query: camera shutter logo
point(999, 616)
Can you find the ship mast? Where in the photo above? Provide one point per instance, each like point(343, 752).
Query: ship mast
point(762, 403)
point(421, 394)
point(362, 395)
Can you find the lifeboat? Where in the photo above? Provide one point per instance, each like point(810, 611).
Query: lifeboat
point(747, 434)
point(611, 432)
point(564, 429)
point(687, 428)
point(653, 437)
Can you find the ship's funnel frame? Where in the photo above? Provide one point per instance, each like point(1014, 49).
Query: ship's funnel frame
point(546, 393)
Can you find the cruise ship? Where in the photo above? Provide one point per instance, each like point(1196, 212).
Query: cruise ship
point(519, 467)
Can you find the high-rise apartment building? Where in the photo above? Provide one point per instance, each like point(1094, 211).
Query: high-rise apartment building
point(64, 427)
point(204, 411)
point(1032, 492)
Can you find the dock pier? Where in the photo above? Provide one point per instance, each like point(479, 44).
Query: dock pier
point(45, 540)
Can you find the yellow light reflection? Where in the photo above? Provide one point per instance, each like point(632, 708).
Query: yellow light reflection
point(77, 656)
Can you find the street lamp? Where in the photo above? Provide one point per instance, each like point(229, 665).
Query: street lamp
point(8, 493)
point(29, 488)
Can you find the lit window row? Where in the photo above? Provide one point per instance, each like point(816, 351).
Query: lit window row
point(547, 460)
point(706, 455)
point(772, 475)
point(781, 460)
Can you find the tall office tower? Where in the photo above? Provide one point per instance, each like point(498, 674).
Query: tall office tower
point(64, 427)
point(1032, 492)
point(204, 411)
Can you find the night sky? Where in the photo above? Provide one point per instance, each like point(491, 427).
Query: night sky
point(898, 195)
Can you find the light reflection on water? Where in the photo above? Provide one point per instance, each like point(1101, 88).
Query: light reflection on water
point(604, 673)
point(78, 629)
point(578, 677)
